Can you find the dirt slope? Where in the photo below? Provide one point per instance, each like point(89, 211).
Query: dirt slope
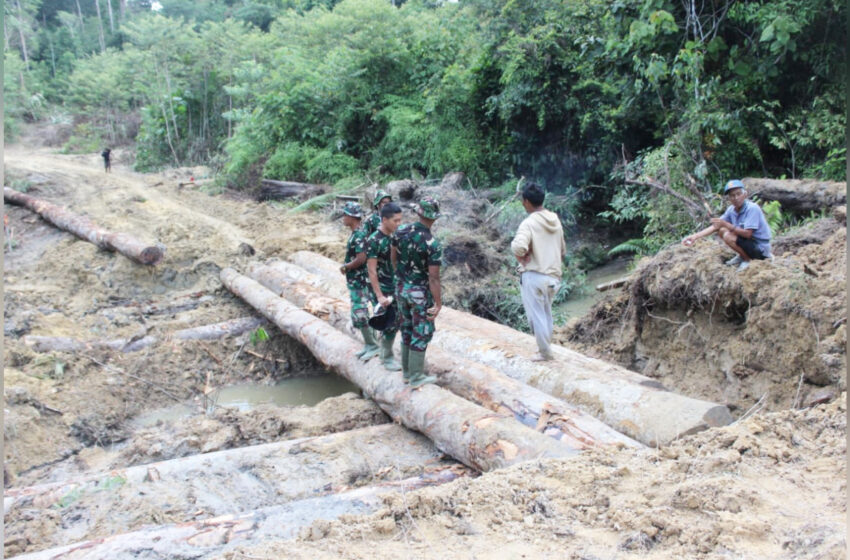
point(770, 486)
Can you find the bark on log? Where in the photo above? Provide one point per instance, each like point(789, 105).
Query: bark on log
point(233, 327)
point(213, 537)
point(471, 434)
point(632, 404)
point(799, 195)
point(276, 190)
point(475, 382)
point(86, 230)
point(245, 479)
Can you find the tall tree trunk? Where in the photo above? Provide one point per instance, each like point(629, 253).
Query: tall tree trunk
point(111, 20)
point(474, 382)
point(80, 14)
point(100, 26)
point(21, 21)
point(86, 230)
point(630, 403)
point(473, 435)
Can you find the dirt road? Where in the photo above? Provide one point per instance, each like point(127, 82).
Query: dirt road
point(770, 486)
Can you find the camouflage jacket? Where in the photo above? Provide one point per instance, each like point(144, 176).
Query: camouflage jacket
point(356, 244)
point(371, 224)
point(417, 250)
point(379, 246)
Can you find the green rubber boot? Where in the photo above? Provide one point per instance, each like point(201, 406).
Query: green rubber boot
point(371, 348)
point(387, 354)
point(405, 361)
point(416, 365)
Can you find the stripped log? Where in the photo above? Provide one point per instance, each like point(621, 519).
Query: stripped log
point(222, 482)
point(233, 327)
point(86, 230)
point(475, 382)
point(618, 283)
point(213, 537)
point(799, 195)
point(471, 434)
point(276, 190)
point(630, 403)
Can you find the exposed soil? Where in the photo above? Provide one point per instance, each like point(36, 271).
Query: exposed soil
point(770, 342)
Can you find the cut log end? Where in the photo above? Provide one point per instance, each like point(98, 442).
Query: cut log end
point(151, 255)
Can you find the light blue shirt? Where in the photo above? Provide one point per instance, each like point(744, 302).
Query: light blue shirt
point(751, 217)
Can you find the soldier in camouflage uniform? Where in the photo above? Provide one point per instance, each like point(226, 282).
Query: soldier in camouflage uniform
point(418, 256)
point(382, 275)
point(357, 278)
point(373, 222)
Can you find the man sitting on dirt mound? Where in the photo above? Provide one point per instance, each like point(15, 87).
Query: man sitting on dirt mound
point(357, 278)
point(539, 247)
point(381, 268)
point(742, 227)
point(373, 222)
point(419, 294)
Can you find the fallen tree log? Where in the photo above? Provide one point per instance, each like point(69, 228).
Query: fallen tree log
point(86, 230)
point(618, 283)
point(632, 404)
point(475, 382)
point(245, 479)
point(799, 195)
point(213, 537)
point(471, 434)
point(233, 327)
point(278, 190)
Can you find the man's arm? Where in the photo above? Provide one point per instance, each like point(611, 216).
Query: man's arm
point(358, 261)
point(372, 266)
point(689, 240)
point(739, 231)
point(521, 243)
point(436, 293)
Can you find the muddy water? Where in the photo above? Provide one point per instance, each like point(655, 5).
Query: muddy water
point(295, 391)
point(581, 302)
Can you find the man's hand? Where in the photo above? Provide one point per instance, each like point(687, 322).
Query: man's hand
point(342, 269)
point(525, 259)
point(688, 241)
point(384, 301)
point(432, 312)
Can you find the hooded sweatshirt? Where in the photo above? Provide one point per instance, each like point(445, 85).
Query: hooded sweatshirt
point(542, 234)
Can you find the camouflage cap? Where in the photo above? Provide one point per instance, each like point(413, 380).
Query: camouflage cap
point(379, 196)
point(429, 208)
point(352, 209)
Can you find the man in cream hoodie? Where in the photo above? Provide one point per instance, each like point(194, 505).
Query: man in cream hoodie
point(540, 248)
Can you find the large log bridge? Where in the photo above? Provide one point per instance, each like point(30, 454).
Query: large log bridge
point(633, 404)
point(475, 436)
point(86, 230)
point(473, 381)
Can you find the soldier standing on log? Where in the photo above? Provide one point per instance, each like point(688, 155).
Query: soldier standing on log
point(373, 222)
point(357, 278)
point(381, 268)
point(419, 257)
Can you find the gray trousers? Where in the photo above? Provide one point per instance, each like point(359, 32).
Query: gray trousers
point(538, 291)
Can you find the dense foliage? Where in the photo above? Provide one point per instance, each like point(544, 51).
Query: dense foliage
point(614, 94)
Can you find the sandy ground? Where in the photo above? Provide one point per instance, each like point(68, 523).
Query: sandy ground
point(772, 485)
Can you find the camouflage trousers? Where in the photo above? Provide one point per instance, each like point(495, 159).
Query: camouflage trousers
point(416, 329)
point(391, 330)
point(361, 297)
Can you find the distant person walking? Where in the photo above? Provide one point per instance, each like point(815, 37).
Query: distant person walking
point(107, 164)
point(743, 228)
point(539, 247)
